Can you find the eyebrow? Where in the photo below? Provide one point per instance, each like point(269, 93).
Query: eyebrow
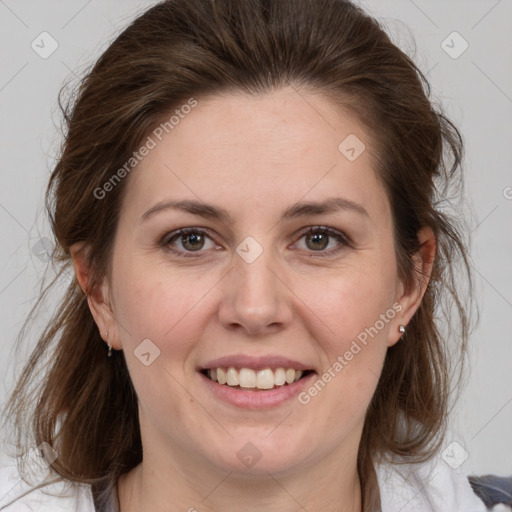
point(301, 209)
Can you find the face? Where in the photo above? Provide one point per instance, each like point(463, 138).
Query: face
point(267, 283)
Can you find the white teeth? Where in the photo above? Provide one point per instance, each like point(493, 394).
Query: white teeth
point(232, 377)
point(265, 379)
point(279, 377)
point(248, 378)
point(221, 376)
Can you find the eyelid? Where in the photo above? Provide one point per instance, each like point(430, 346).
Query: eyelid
point(326, 229)
point(184, 231)
point(342, 238)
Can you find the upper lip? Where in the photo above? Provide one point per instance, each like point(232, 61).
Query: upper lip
point(254, 362)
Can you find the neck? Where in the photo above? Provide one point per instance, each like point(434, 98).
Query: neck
point(319, 487)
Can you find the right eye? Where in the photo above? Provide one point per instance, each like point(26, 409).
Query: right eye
point(187, 240)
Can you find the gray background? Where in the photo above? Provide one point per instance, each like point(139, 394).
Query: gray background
point(475, 89)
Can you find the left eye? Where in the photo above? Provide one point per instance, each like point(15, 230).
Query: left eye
point(317, 239)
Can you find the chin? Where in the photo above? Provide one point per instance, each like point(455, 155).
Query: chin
point(254, 455)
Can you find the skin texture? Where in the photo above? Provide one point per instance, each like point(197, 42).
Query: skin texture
point(254, 156)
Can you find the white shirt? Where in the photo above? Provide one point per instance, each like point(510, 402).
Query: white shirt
point(430, 487)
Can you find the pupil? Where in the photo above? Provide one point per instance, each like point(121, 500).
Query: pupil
point(317, 238)
point(191, 239)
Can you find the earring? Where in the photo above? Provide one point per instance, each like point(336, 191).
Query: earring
point(109, 346)
point(401, 328)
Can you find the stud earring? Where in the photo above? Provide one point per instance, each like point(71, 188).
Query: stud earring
point(109, 346)
point(401, 329)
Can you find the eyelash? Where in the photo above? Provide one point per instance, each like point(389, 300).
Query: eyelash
point(170, 237)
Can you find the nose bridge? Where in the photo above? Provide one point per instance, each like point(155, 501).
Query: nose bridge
point(254, 297)
point(255, 284)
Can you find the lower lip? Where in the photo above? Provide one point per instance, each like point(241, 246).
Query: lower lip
point(260, 399)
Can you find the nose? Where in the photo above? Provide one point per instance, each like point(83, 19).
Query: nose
point(256, 299)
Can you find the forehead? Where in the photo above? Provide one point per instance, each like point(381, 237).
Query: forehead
point(259, 151)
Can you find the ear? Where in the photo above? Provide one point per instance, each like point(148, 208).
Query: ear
point(97, 298)
point(410, 297)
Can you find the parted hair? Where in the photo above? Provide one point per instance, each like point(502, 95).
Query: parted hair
point(81, 402)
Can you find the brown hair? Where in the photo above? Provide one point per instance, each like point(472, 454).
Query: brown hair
point(183, 48)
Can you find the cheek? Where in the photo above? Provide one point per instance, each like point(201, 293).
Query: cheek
point(157, 306)
point(354, 311)
point(358, 313)
point(157, 303)
point(352, 302)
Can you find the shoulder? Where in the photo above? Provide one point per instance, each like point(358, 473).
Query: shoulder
point(45, 493)
point(431, 486)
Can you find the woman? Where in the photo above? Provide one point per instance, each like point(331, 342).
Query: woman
point(247, 194)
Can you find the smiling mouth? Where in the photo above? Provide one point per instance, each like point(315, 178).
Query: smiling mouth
point(247, 379)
